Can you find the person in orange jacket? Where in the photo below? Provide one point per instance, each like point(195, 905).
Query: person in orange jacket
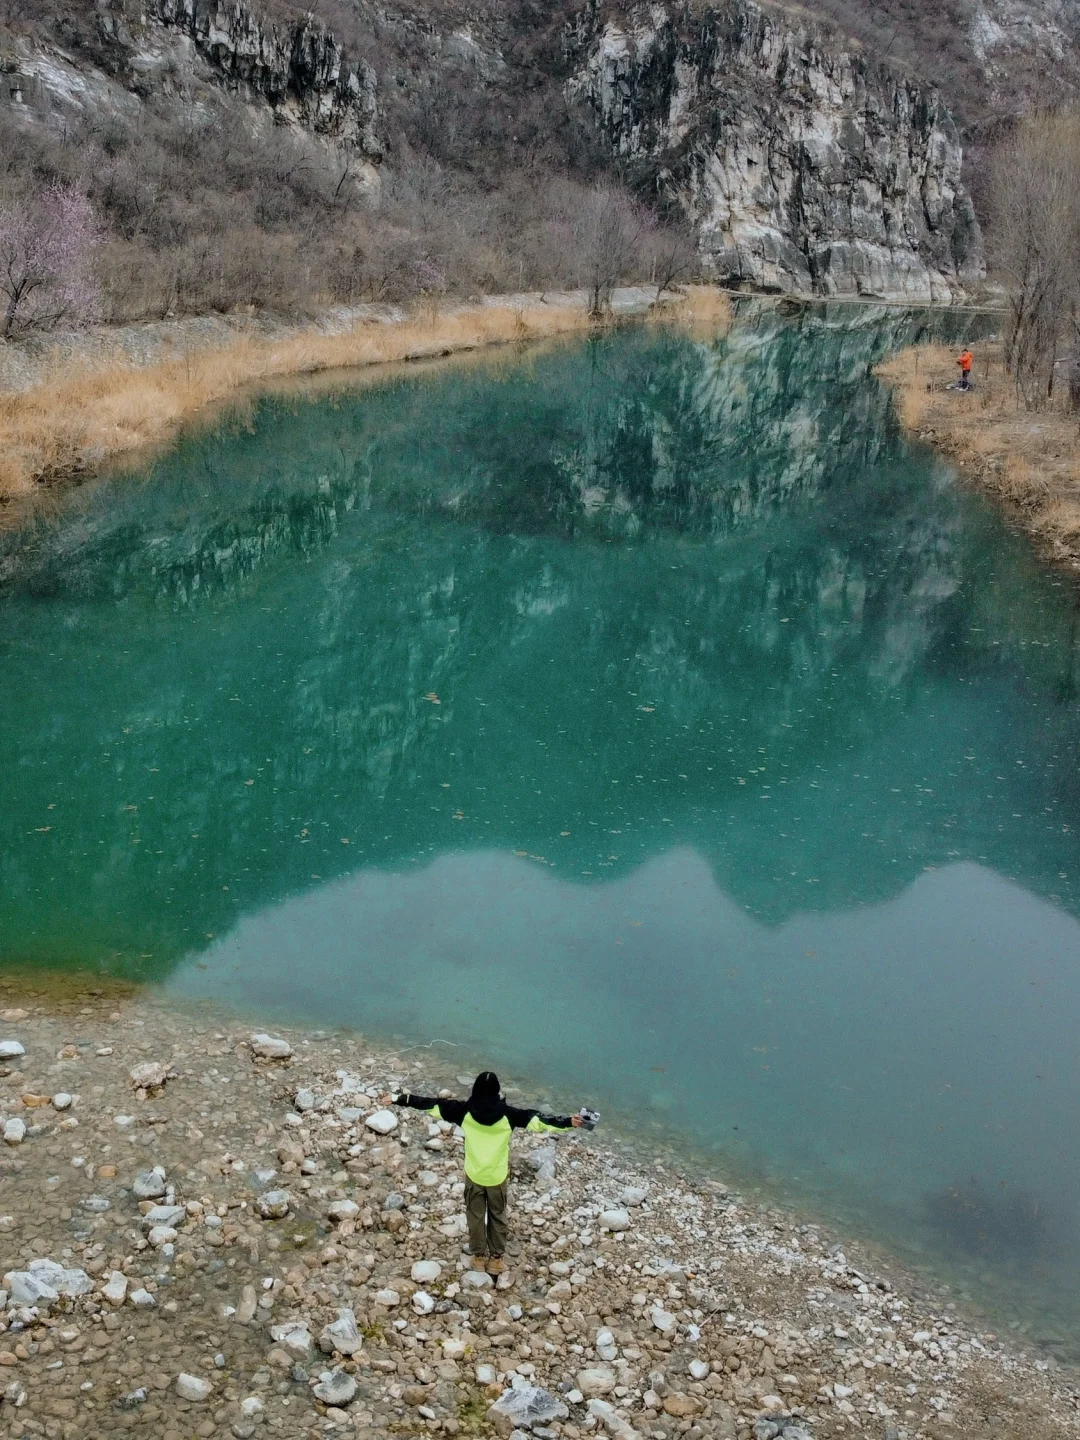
point(965, 360)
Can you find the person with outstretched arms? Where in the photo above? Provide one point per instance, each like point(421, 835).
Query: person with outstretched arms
point(487, 1123)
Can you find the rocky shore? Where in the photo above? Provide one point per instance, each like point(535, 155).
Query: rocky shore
point(209, 1230)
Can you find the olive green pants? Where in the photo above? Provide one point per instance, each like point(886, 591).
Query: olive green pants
point(485, 1210)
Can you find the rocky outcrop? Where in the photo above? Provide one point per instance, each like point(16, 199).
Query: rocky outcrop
point(301, 70)
point(804, 167)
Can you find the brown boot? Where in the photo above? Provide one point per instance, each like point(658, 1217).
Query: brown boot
point(479, 1262)
point(496, 1265)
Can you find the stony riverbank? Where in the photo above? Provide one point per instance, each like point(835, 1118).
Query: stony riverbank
point(205, 1233)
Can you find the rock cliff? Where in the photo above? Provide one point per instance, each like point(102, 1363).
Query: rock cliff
point(804, 164)
point(301, 69)
point(803, 167)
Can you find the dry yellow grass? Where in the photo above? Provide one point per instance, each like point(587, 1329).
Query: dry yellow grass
point(1029, 461)
point(701, 311)
point(81, 415)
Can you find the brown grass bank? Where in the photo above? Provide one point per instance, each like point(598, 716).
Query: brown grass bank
point(1029, 461)
point(82, 412)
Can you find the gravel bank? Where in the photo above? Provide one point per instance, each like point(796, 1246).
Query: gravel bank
point(207, 1233)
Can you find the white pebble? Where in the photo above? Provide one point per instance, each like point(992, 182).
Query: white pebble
point(190, 1387)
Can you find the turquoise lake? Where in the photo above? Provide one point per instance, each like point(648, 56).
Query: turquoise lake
point(641, 713)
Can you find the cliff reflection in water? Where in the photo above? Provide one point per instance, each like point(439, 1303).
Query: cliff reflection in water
point(361, 619)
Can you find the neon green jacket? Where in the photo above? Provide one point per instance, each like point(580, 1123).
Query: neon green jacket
point(487, 1139)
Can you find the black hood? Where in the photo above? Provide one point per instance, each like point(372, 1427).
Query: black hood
point(486, 1104)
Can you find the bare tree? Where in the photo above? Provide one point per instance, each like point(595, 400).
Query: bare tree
point(1036, 197)
point(674, 256)
point(46, 243)
point(607, 230)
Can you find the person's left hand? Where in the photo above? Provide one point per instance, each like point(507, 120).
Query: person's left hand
point(577, 1122)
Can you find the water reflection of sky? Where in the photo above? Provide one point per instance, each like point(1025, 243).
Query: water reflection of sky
point(878, 1056)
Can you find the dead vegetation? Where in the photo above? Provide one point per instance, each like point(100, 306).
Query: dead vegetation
point(1028, 460)
point(83, 413)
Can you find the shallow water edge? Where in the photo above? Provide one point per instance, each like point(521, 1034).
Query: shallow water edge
point(728, 1309)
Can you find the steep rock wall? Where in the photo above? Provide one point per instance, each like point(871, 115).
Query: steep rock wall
point(803, 167)
point(301, 70)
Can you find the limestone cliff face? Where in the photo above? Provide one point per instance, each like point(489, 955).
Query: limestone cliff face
point(804, 167)
point(300, 70)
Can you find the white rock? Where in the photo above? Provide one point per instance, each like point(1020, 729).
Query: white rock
point(141, 1299)
point(115, 1290)
point(304, 1100)
point(272, 1204)
point(382, 1122)
point(476, 1280)
point(699, 1369)
point(150, 1075)
point(529, 1405)
point(596, 1380)
point(49, 1279)
point(251, 1406)
point(11, 1049)
point(26, 1289)
point(149, 1184)
point(164, 1215)
point(61, 1100)
point(389, 1298)
point(605, 1345)
point(161, 1235)
point(270, 1047)
point(15, 1131)
point(663, 1320)
point(634, 1195)
point(605, 1414)
point(123, 1122)
point(343, 1210)
point(453, 1349)
point(426, 1272)
point(335, 1387)
point(293, 1335)
point(190, 1387)
point(615, 1220)
point(342, 1335)
point(486, 1374)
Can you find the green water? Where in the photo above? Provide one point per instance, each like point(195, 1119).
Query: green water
point(643, 714)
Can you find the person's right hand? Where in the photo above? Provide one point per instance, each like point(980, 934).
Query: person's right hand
point(577, 1122)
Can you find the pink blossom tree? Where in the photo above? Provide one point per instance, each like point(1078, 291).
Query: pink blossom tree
point(46, 248)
